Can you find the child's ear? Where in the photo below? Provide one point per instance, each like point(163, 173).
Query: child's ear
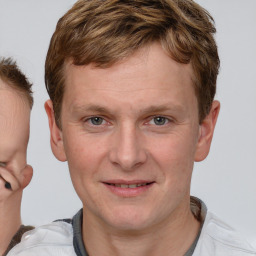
point(27, 174)
point(206, 132)
point(56, 133)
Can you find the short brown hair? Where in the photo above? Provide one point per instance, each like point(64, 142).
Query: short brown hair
point(11, 74)
point(104, 32)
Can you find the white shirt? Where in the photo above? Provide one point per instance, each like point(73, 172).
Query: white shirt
point(217, 238)
point(56, 239)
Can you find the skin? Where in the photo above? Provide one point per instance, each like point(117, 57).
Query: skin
point(14, 134)
point(127, 143)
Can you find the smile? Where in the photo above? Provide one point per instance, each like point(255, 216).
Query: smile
point(128, 189)
point(129, 185)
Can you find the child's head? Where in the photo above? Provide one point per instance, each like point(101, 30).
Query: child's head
point(15, 105)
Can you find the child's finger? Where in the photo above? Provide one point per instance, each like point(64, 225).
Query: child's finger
point(11, 182)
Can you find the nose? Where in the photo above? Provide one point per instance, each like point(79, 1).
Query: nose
point(127, 150)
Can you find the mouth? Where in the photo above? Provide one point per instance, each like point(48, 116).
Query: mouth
point(135, 185)
point(129, 188)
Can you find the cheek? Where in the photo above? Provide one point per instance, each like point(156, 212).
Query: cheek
point(84, 154)
point(175, 157)
point(173, 149)
point(85, 159)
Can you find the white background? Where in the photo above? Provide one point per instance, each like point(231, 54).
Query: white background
point(226, 180)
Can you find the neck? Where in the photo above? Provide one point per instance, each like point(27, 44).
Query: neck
point(174, 235)
point(10, 219)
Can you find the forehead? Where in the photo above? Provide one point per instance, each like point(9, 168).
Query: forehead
point(14, 120)
point(12, 101)
point(146, 70)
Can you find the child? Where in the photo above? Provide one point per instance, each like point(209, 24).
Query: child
point(15, 106)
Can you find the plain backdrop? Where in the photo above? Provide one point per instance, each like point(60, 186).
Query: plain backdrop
point(226, 180)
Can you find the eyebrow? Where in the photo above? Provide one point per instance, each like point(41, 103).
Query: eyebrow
point(150, 109)
point(92, 108)
point(162, 108)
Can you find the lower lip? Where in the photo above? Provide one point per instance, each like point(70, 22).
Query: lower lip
point(128, 192)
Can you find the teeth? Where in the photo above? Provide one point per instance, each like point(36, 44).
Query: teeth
point(129, 186)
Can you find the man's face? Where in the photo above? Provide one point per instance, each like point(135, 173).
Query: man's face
point(130, 135)
point(14, 129)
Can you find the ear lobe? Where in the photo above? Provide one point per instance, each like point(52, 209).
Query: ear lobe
point(56, 133)
point(206, 132)
point(27, 174)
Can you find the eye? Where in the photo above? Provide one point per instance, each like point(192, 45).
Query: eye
point(159, 120)
point(96, 120)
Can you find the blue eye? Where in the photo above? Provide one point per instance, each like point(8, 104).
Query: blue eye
point(160, 120)
point(96, 120)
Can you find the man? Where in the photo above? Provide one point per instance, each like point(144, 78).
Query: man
point(132, 87)
point(15, 105)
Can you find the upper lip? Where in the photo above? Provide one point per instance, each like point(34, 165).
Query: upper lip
point(127, 182)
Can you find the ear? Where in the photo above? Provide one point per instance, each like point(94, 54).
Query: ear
point(56, 134)
point(206, 132)
point(26, 174)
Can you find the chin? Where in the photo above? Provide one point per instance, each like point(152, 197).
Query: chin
point(132, 220)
